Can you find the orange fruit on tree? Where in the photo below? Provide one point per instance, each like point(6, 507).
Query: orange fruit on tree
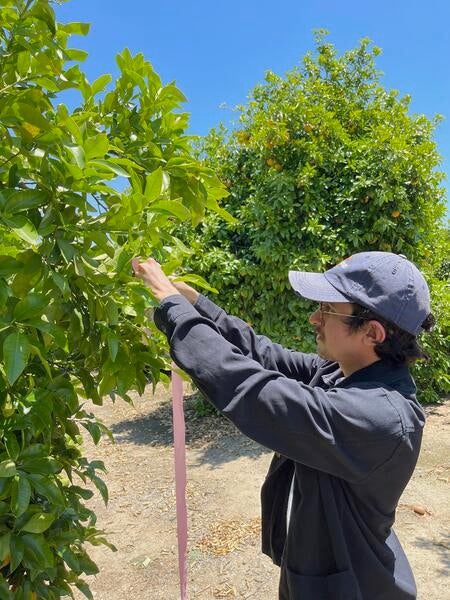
point(243, 137)
point(395, 214)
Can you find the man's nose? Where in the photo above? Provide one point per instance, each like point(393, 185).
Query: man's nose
point(315, 318)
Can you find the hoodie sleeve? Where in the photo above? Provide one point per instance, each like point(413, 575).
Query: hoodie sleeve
point(295, 365)
point(329, 430)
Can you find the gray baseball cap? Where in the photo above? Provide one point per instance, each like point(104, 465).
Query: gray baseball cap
point(388, 284)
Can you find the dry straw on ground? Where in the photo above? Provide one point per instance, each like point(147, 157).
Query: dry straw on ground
point(225, 536)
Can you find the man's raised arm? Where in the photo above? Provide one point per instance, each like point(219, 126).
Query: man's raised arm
point(295, 365)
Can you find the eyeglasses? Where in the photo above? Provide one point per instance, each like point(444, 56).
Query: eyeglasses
point(322, 310)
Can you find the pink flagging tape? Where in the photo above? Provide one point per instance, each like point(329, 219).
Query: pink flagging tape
point(180, 478)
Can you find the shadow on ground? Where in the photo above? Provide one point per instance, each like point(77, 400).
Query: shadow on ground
point(440, 546)
point(213, 436)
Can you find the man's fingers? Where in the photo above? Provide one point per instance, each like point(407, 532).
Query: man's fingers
point(138, 263)
point(135, 264)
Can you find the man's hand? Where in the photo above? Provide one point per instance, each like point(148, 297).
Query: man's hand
point(154, 278)
point(188, 292)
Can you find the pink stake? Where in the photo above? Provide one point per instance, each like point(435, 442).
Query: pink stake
point(180, 478)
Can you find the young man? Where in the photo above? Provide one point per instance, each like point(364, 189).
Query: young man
point(344, 424)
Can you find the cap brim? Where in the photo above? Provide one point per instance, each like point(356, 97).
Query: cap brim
point(315, 286)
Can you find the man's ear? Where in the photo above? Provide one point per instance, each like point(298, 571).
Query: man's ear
point(376, 333)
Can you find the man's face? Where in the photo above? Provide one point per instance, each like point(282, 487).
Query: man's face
point(335, 340)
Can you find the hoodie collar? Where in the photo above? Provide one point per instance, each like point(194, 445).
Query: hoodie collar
point(396, 377)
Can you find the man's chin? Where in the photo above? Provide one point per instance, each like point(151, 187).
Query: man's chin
point(322, 352)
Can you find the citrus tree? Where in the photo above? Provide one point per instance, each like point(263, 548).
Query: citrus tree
point(322, 163)
point(82, 191)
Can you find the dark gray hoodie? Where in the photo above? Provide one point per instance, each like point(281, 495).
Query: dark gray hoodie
point(349, 445)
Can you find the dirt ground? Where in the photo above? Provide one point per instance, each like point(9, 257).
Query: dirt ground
point(225, 472)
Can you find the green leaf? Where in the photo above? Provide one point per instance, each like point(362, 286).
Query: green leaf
point(30, 273)
point(99, 540)
point(70, 558)
point(33, 116)
point(8, 468)
point(48, 488)
point(100, 83)
point(97, 465)
point(101, 486)
point(171, 92)
point(83, 492)
point(67, 249)
point(46, 14)
point(9, 266)
point(30, 307)
point(96, 146)
point(39, 523)
point(4, 292)
point(94, 430)
point(17, 547)
point(87, 565)
point(52, 86)
point(213, 205)
point(5, 492)
point(108, 164)
point(154, 185)
point(24, 200)
point(112, 311)
point(196, 280)
point(5, 592)
point(12, 446)
point(76, 54)
point(37, 552)
point(107, 383)
point(4, 546)
point(16, 350)
point(33, 450)
point(42, 466)
point(113, 345)
point(77, 153)
point(75, 28)
point(62, 284)
point(57, 333)
point(23, 228)
point(172, 207)
point(8, 408)
point(20, 495)
point(217, 193)
point(123, 262)
point(84, 588)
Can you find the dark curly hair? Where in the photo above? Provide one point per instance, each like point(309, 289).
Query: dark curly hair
point(400, 348)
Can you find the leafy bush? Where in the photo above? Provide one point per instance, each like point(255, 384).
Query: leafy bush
point(71, 317)
point(202, 407)
point(323, 163)
point(433, 377)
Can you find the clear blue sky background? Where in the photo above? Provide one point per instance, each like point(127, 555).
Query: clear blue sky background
point(217, 51)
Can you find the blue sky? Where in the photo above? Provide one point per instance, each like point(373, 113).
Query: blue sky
point(217, 51)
